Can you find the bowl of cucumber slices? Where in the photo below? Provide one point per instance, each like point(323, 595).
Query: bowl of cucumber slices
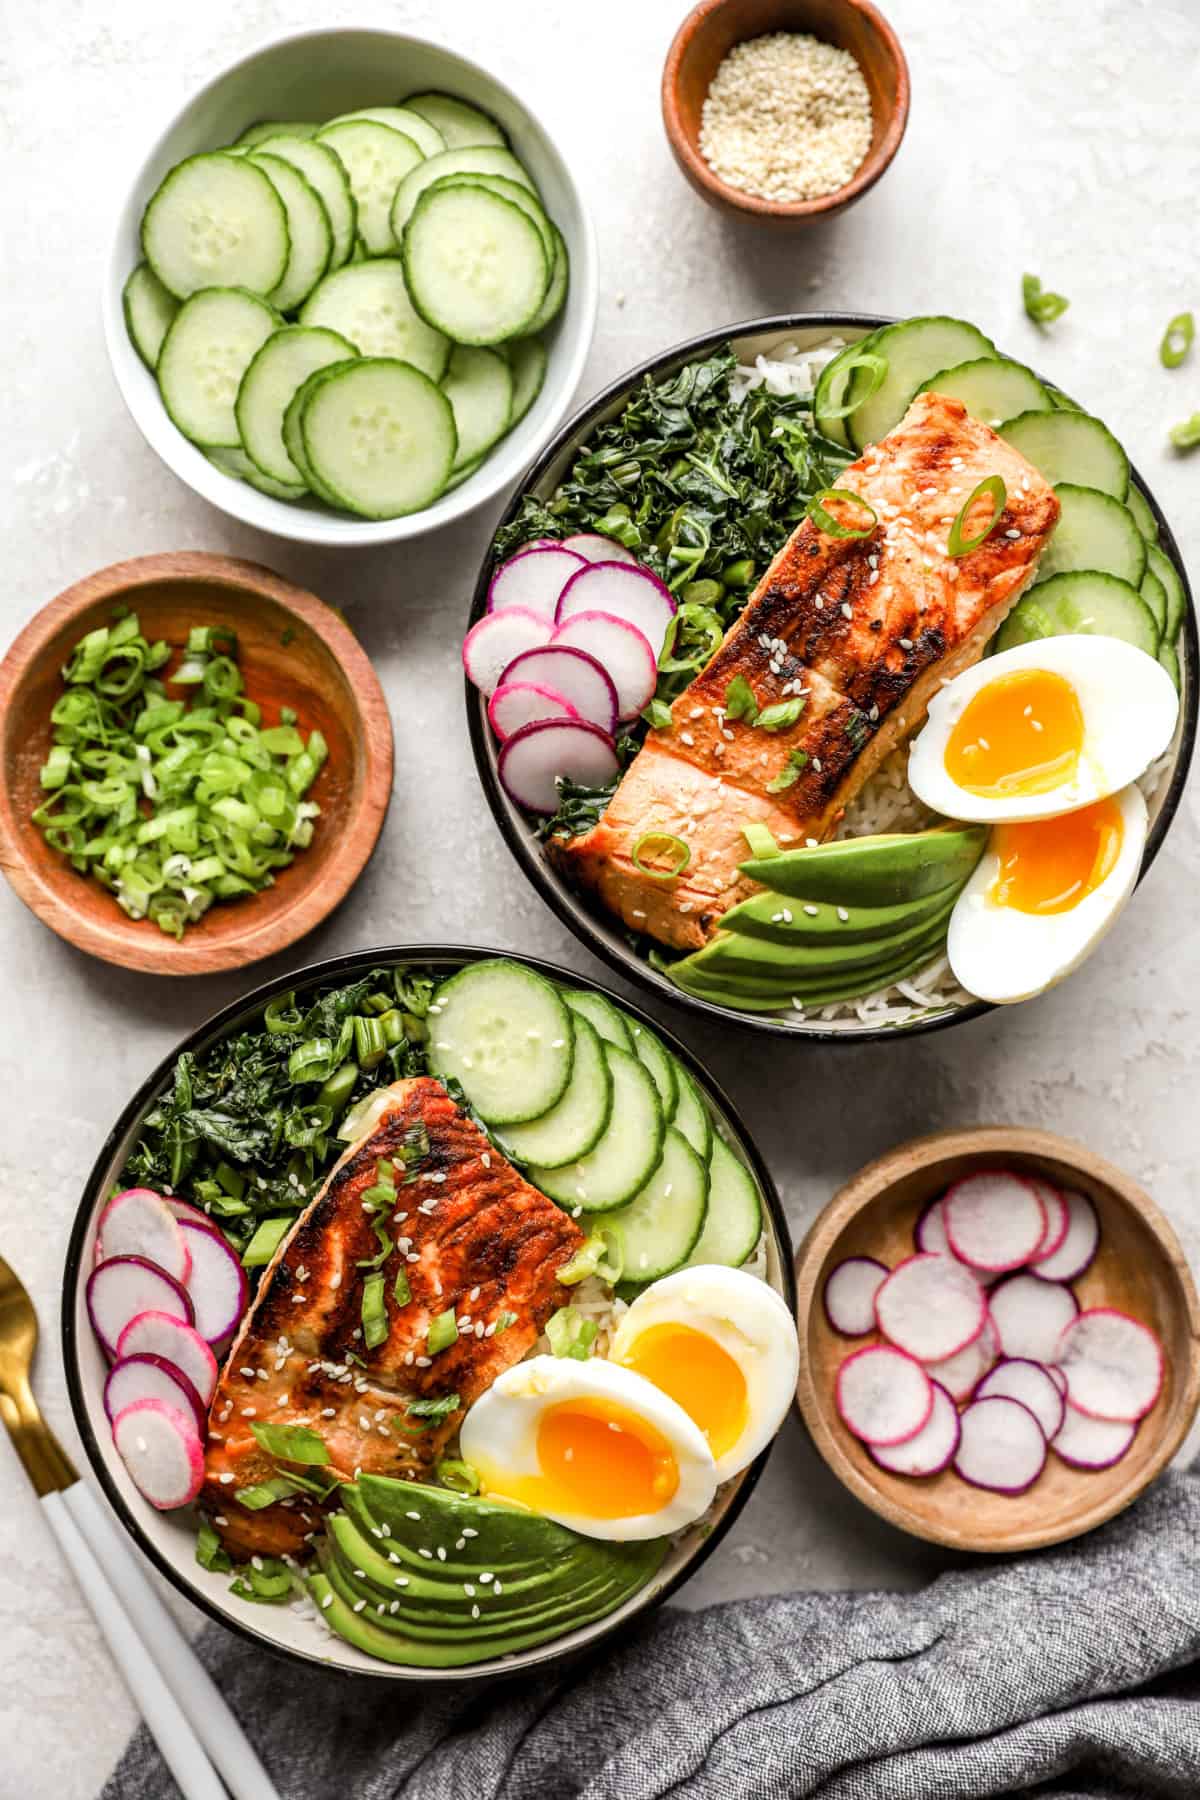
point(351, 288)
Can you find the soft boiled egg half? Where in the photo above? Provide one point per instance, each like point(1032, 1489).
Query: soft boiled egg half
point(1043, 729)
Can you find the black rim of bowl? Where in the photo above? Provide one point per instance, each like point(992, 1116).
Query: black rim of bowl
point(319, 974)
point(604, 938)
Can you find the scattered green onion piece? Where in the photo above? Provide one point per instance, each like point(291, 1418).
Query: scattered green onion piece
point(503, 1321)
point(571, 1333)
point(876, 367)
point(338, 1087)
point(656, 713)
point(401, 1291)
point(782, 714)
point(1042, 307)
point(374, 1312)
point(265, 1493)
point(210, 1552)
point(292, 1443)
point(443, 1331)
point(56, 769)
point(311, 1061)
point(824, 520)
point(233, 1183)
point(384, 1241)
point(790, 773)
point(699, 626)
point(1177, 340)
point(269, 1583)
point(370, 1044)
point(761, 843)
point(957, 544)
point(457, 1475)
point(602, 1253)
point(738, 574)
point(739, 700)
point(266, 1240)
point(661, 843)
point(1186, 435)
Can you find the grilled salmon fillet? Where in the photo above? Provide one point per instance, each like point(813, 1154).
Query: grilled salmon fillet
point(468, 1234)
point(864, 630)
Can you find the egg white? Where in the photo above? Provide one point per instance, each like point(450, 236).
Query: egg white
point(1129, 706)
point(749, 1321)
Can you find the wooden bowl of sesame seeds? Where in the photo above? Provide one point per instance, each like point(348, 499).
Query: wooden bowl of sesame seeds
point(785, 129)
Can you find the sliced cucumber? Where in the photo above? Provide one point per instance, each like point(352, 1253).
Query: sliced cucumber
point(149, 311)
point(479, 386)
point(309, 231)
point(461, 124)
point(527, 360)
point(1081, 602)
point(238, 465)
point(463, 472)
point(503, 1033)
point(991, 388)
point(379, 437)
point(324, 171)
point(691, 1114)
point(471, 159)
point(914, 351)
point(368, 303)
point(293, 438)
point(1094, 531)
point(426, 137)
point(661, 1066)
point(216, 221)
point(476, 265)
point(269, 128)
point(1070, 446)
point(556, 293)
point(376, 160)
point(833, 391)
point(625, 1157)
point(269, 385)
point(210, 345)
point(734, 1222)
point(608, 1020)
point(576, 1124)
point(1161, 565)
point(1143, 518)
point(1155, 595)
point(521, 197)
point(1169, 658)
point(662, 1225)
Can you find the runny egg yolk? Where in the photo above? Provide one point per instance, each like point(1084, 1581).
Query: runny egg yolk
point(600, 1460)
point(1021, 734)
point(1050, 865)
point(699, 1375)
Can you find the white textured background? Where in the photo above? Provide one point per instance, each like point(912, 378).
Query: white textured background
point(1052, 135)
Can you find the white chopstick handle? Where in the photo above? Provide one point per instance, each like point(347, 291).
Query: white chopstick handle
point(188, 1679)
point(181, 1748)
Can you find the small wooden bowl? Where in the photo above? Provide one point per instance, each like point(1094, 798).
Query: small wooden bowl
point(293, 651)
point(1140, 1268)
point(707, 35)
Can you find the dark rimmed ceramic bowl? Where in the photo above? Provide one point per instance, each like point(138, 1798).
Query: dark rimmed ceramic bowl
point(168, 1539)
point(605, 936)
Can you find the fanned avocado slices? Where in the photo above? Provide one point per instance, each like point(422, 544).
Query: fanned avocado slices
point(874, 871)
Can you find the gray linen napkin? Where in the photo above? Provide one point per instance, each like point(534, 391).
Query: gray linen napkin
point(1072, 1673)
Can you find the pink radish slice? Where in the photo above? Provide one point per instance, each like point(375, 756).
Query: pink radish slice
point(491, 644)
point(626, 591)
point(217, 1285)
point(960, 1374)
point(1058, 1217)
point(161, 1448)
point(931, 1307)
point(621, 649)
point(1019, 1379)
point(932, 1449)
point(124, 1286)
point(578, 677)
point(883, 1396)
point(533, 580)
point(595, 548)
point(850, 1295)
point(533, 758)
point(1080, 1244)
point(995, 1220)
point(162, 1335)
point(152, 1378)
point(1086, 1443)
point(929, 1233)
point(517, 703)
point(1113, 1364)
point(1030, 1316)
point(140, 1223)
point(183, 1209)
point(1002, 1447)
point(1058, 1378)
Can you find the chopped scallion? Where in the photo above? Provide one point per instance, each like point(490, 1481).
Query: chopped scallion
point(831, 524)
point(1186, 435)
point(457, 1475)
point(374, 1312)
point(672, 855)
point(443, 1331)
point(958, 544)
point(1042, 307)
point(1177, 340)
point(571, 1333)
point(292, 1443)
point(760, 840)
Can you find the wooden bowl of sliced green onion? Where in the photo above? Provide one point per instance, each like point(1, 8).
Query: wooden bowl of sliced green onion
point(195, 763)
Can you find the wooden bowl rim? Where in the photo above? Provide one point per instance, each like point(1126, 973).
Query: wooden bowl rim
point(921, 1153)
point(865, 176)
point(118, 941)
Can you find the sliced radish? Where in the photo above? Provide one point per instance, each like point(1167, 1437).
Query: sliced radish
point(532, 759)
point(960, 1374)
point(1079, 1245)
point(1016, 1378)
point(1058, 1378)
point(1087, 1443)
point(161, 1448)
point(931, 1307)
point(883, 1395)
point(491, 645)
point(1002, 1448)
point(621, 649)
point(140, 1223)
point(595, 548)
point(932, 1449)
point(1058, 1217)
point(183, 1209)
point(217, 1285)
point(995, 1220)
point(850, 1295)
point(1030, 1316)
point(162, 1335)
point(533, 580)
point(929, 1232)
point(578, 677)
point(124, 1286)
point(152, 1378)
point(625, 591)
point(517, 703)
point(1113, 1364)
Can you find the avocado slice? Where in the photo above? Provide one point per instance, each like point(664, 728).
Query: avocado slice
point(735, 953)
point(874, 871)
point(730, 987)
point(790, 921)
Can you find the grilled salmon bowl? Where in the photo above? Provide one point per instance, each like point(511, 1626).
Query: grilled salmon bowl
point(798, 667)
point(430, 1315)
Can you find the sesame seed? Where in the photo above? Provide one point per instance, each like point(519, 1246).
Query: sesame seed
point(812, 911)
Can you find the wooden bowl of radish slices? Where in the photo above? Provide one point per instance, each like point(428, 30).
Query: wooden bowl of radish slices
point(1000, 1338)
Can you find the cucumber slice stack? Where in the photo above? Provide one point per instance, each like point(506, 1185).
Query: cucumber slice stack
point(408, 236)
point(600, 1116)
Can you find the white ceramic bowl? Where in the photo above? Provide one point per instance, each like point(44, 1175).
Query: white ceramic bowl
point(317, 74)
